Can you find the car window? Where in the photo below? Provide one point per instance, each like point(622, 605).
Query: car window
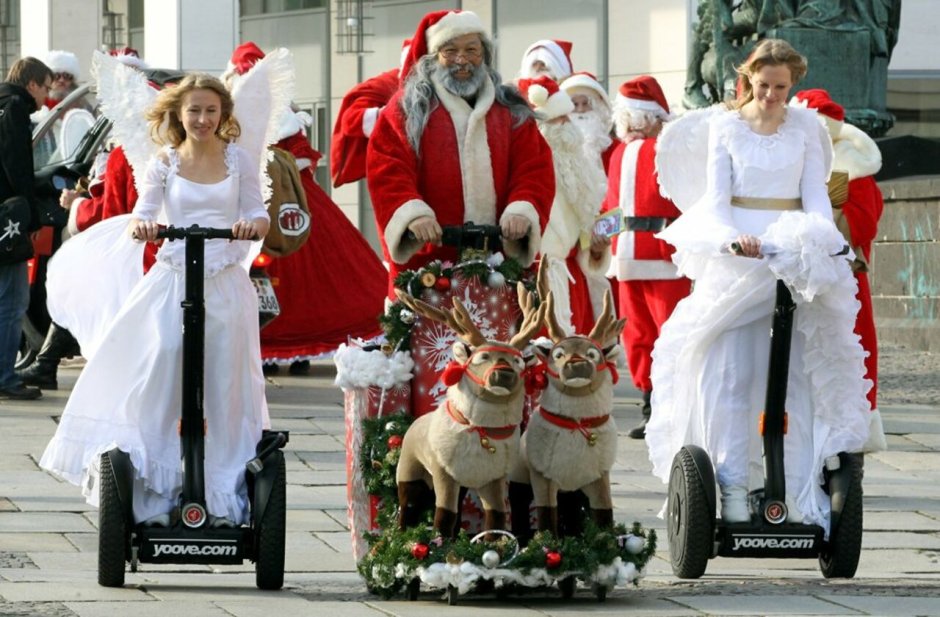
point(58, 132)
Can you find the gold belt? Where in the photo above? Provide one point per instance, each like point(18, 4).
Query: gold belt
point(767, 203)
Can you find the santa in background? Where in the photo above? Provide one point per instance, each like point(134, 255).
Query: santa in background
point(649, 286)
point(856, 208)
point(333, 287)
point(65, 74)
point(357, 115)
point(577, 259)
point(592, 114)
point(547, 57)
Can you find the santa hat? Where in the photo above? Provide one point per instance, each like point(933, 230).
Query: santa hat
point(585, 81)
point(405, 48)
point(546, 97)
point(819, 99)
point(435, 29)
point(555, 54)
point(63, 62)
point(243, 58)
point(643, 93)
point(128, 56)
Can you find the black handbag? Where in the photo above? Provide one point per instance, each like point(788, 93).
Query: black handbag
point(15, 243)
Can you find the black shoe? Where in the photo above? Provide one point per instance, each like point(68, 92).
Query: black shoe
point(270, 369)
point(639, 431)
point(39, 374)
point(301, 367)
point(20, 393)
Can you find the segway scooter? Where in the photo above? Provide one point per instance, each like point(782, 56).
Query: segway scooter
point(695, 535)
point(189, 539)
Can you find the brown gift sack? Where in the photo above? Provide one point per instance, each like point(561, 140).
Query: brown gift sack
point(288, 209)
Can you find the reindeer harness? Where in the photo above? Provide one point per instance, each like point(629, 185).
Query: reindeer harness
point(486, 433)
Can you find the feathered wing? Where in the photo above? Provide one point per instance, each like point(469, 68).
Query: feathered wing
point(262, 97)
point(681, 156)
point(125, 97)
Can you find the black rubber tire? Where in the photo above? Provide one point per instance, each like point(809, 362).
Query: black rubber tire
point(567, 586)
point(600, 592)
point(269, 564)
point(112, 530)
point(414, 586)
point(690, 523)
point(452, 595)
point(839, 557)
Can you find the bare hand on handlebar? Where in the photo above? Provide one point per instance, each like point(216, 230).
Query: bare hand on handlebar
point(144, 231)
point(747, 246)
point(514, 226)
point(426, 229)
point(250, 230)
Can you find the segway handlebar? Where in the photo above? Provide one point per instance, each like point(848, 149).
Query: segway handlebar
point(768, 249)
point(210, 233)
point(470, 236)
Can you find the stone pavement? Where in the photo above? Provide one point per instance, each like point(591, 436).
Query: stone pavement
point(48, 535)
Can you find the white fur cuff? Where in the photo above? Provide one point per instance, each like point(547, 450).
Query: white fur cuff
point(368, 120)
point(519, 249)
point(400, 248)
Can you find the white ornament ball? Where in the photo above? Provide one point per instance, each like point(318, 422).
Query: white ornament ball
point(635, 544)
point(391, 426)
point(490, 559)
point(407, 317)
point(496, 279)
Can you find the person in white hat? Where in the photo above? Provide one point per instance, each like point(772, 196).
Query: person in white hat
point(65, 74)
point(550, 57)
point(648, 284)
point(496, 169)
point(592, 114)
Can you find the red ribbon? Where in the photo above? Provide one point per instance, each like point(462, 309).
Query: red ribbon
point(571, 424)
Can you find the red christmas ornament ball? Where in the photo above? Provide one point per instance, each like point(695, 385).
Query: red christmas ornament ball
point(552, 559)
point(394, 442)
point(442, 283)
point(419, 551)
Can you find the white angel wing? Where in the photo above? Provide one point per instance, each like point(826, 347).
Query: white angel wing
point(262, 96)
point(125, 97)
point(681, 156)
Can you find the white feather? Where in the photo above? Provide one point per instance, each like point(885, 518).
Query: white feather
point(681, 155)
point(262, 96)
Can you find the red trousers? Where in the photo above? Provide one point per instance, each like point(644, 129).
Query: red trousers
point(865, 328)
point(646, 304)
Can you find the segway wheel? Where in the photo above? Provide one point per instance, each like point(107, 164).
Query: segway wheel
point(414, 586)
point(690, 522)
point(600, 592)
point(839, 558)
point(113, 530)
point(452, 595)
point(269, 565)
point(567, 586)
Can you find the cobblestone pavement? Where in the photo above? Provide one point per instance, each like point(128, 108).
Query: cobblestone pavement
point(48, 537)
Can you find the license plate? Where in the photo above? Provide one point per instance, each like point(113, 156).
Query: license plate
point(267, 300)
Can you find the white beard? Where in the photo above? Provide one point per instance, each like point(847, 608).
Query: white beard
point(595, 129)
point(579, 176)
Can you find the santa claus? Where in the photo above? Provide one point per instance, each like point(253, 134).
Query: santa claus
point(577, 259)
point(649, 286)
point(331, 288)
point(547, 57)
point(592, 114)
point(65, 74)
point(857, 205)
point(456, 145)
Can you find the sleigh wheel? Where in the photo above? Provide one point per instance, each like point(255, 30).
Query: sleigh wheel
point(414, 586)
point(451, 595)
point(600, 592)
point(566, 586)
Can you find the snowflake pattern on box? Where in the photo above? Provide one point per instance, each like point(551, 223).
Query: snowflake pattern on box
point(494, 310)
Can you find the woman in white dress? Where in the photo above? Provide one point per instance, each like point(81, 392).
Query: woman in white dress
point(767, 169)
point(128, 395)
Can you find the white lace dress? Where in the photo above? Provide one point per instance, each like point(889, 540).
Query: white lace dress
point(129, 394)
point(711, 359)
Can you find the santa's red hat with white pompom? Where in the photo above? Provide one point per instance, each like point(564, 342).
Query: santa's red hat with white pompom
point(435, 29)
point(546, 97)
point(643, 93)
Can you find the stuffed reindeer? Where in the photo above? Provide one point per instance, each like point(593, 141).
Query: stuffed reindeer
point(571, 443)
point(472, 439)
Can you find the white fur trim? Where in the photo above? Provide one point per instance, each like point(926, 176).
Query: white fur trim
point(651, 106)
point(400, 248)
point(514, 247)
point(63, 62)
point(558, 104)
point(368, 120)
point(538, 94)
point(73, 215)
point(551, 54)
point(856, 153)
point(451, 26)
point(292, 123)
point(476, 167)
point(876, 434)
point(303, 163)
point(132, 61)
point(576, 82)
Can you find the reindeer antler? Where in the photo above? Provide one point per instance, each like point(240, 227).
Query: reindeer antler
point(532, 317)
point(457, 319)
point(607, 326)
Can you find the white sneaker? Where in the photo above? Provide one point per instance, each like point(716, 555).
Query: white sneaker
point(160, 520)
point(793, 513)
point(221, 521)
point(734, 505)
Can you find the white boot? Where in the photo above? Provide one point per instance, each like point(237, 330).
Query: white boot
point(793, 513)
point(734, 504)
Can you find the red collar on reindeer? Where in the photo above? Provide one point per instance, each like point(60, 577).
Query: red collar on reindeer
point(486, 433)
point(571, 424)
point(608, 364)
point(454, 370)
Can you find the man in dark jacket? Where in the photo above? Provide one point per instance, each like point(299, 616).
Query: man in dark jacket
point(26, 87)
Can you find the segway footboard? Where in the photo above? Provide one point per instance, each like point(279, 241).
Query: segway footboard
point(787, 541)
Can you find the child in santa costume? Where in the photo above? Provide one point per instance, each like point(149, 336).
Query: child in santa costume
point(333, 287)
point(577, 260)
point(856, 209)
point(649, 286)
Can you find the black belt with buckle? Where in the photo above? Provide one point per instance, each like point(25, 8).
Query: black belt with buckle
point(646, 223)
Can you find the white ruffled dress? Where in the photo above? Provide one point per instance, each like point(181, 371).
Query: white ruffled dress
point(711, 360)
point(130, 328)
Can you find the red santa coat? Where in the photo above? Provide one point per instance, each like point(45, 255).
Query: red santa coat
point(633, 186)
point(354, 123)
point(332, 287)
point(495, 170)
